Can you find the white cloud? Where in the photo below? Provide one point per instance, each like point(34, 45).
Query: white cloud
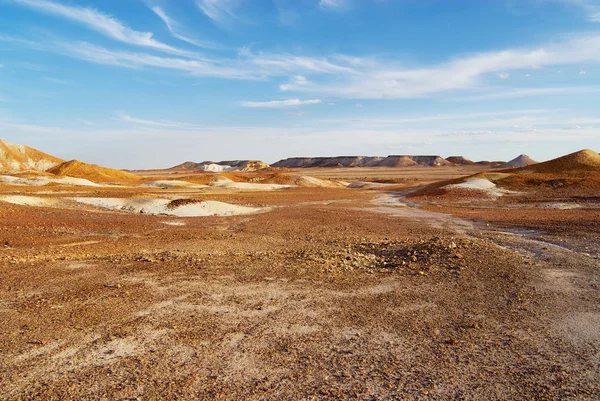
point(525, 92)
point(503, 75)
point(383, 81)
point(173, 27)
point(281, 103)
point(102, 23)
point(359, 105)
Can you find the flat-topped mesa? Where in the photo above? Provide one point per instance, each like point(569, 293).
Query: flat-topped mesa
point(337, 161)
point(363, 161)
point(519, 161)
point(22, 158)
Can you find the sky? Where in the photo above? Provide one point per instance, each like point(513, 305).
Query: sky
point(154, 83)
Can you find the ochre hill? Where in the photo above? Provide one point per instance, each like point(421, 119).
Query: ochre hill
point(584, 160)
point(22, 158)
point(92, 172)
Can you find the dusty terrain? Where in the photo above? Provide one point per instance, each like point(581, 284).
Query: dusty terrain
point(325, 293)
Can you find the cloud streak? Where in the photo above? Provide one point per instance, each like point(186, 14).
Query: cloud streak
point(276, 104)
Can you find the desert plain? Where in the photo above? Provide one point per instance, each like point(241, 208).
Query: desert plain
point(427, 283)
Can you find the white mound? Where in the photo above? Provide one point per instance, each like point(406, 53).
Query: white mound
point(226, 183)
point(477, 183)
point(216, 168)
point(172, 184)
point(480, 184)
point(160, 207)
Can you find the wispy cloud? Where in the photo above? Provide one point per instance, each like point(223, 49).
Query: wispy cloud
point(281, 103)
point(295, 114)
point(247, 66)
point(57, 81)
point(220, 11)
point(102, 23)
point(590, 7)
point(174, 28)
point(332, 4)
point(292, 63)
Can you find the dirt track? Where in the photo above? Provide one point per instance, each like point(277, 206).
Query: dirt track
point(327, 296)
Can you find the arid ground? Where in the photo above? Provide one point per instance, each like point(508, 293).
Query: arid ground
point(326, 293)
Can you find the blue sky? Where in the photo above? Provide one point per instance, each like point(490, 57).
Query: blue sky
point(153, 83)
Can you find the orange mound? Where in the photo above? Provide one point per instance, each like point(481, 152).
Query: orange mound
point(92, 172)
point(584, 160)
point(21, 157)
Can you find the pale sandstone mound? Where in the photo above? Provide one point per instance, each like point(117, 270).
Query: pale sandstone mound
point(520, 161)
point(313, 182)
point(21, 157)
point(92, 172)
point(586, 160)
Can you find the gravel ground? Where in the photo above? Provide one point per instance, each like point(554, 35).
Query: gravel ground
point(327, 296)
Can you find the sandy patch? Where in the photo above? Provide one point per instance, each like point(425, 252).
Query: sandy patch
point(29, 200)
point(225, 183)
